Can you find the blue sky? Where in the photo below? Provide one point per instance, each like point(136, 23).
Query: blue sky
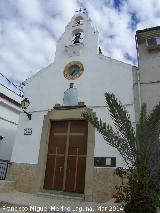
point(29, 30)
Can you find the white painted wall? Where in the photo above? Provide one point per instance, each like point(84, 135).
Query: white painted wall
point(8, 131)
point(26, 148)
point(9, 117)
point(47, 87)
point(149, 76)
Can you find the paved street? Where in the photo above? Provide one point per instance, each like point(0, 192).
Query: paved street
point(22, 202)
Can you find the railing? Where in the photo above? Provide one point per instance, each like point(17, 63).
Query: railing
point(3, 169)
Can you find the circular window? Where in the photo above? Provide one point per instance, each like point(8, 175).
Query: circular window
point(73, 70)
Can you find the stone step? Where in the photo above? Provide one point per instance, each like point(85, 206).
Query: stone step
point(61, 195)
point(7, 185)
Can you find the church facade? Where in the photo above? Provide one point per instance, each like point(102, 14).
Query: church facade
point(55, 148)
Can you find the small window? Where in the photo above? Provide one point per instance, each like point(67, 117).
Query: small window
point(153, 43)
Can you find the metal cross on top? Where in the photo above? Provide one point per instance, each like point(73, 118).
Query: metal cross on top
point(81, 10)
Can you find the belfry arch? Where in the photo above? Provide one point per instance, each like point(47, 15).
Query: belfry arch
point(78, 20)
point(77, 36)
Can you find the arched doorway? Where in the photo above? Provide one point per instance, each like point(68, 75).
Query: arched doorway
point(76, 155)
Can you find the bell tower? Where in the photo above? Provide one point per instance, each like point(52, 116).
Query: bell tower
point(79, 38)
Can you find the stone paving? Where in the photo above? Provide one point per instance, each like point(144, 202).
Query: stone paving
point(22, 202)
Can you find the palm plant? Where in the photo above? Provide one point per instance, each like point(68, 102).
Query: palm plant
point(137, 147)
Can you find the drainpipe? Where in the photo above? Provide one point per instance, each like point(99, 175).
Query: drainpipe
point(139, 89)
point(138, 77)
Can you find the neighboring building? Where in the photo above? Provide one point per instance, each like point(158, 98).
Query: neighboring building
point(147, 81)
point(9, 116)
point(147, 75)
point(56, 149)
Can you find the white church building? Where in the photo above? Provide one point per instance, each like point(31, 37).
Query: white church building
point(55, 148)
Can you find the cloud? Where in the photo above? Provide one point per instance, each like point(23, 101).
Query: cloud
point(115, 29)
point(30, 10)
point(25, 45)
point(29, 30)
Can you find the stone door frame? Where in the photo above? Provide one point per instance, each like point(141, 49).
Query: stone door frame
point(67, 114)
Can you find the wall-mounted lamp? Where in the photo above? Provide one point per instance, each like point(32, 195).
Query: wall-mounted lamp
point(1, 138)
point(24, 104)
point(29, 115)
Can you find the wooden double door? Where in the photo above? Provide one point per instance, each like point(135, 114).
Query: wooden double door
point(66, 159)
